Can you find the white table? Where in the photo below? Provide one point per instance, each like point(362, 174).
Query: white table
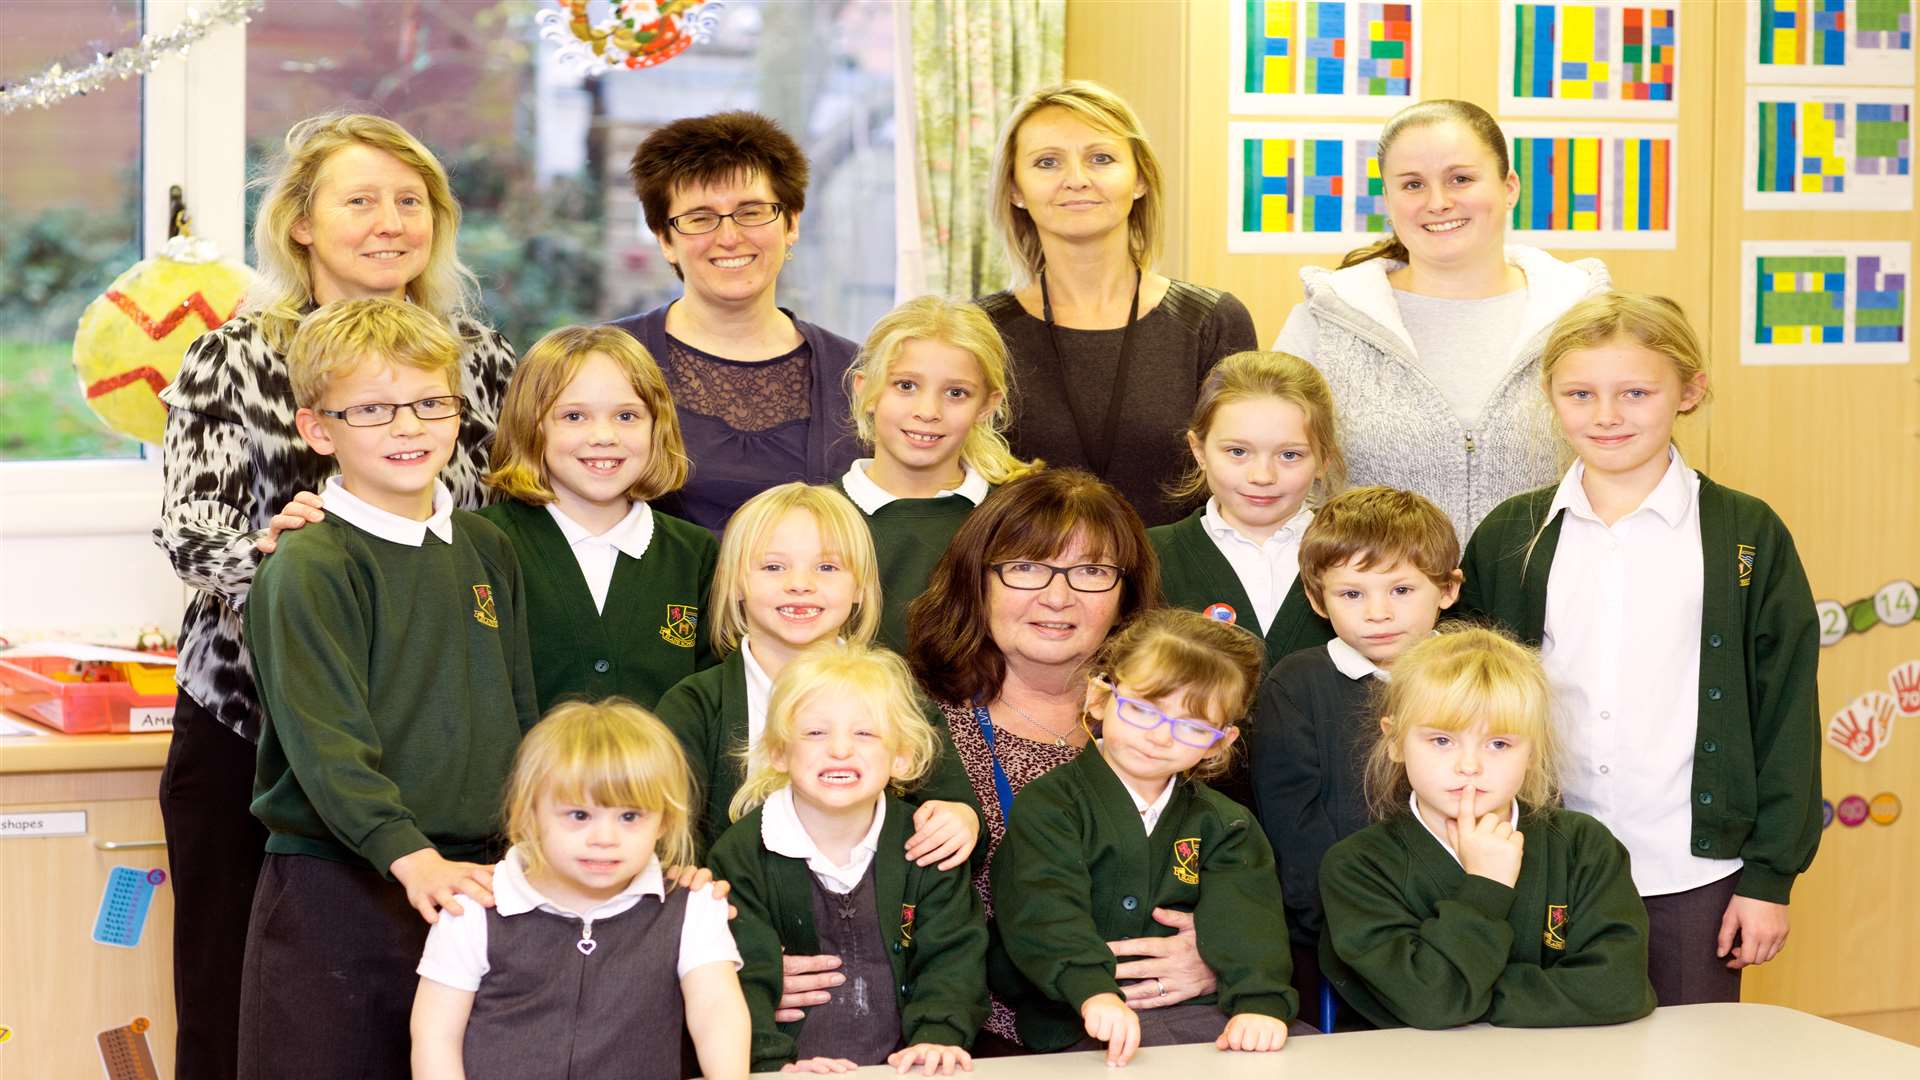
point(1688, 1042)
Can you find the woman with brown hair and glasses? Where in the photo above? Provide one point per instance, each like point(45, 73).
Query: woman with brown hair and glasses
point(760, 392)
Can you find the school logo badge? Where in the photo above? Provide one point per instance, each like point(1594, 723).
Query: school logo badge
point(1556, 922)
point(682, 619)
point(906, 926)
point(1745, 554)
point(1186, 860)
point(483, 607)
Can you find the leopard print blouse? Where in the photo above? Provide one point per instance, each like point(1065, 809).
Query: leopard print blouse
point(233, 459)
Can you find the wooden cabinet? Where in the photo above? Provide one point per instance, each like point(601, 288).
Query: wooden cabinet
point(59, 989)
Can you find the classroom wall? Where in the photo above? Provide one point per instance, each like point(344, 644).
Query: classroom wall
point(1835, 450)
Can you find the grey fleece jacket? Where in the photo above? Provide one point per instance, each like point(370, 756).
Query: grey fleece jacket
point(1395, 425)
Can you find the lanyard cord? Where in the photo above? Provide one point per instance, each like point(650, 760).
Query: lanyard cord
point(1099, 454)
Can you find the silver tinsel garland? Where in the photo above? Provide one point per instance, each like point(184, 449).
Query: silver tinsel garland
point(57, 84)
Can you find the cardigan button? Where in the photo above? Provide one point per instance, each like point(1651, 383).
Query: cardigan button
point(1710, 746)
point(602, 666)
point(1706, 798)
point(1702, 844)
point(896, 946)
point(1713, 693)
point(1713, 640)
point(1129, 902)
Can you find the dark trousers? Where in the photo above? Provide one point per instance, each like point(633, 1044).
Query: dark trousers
point(1683, 930)
point(329, 980)
point(214, 848)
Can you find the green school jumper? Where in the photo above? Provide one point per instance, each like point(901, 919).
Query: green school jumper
point(647, 638)
point(1414, 940)
point(1194, 575)
point(396, 682)
point(930, 918)
point(1756, 766)
point(909, 536)
point(1076, 870)
point(708, 712)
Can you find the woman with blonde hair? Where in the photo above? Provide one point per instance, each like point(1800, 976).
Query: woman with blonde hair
point(1107, 352)
point(355, 207)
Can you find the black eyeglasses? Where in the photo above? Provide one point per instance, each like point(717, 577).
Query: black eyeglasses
point(1033, 576)
point(381, 413)
point(701, 222)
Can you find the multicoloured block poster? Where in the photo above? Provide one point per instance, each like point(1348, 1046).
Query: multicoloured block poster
point(1324, 57)
point(1830, 41)
point(1826, 303)
point(1611, 186)
point(1829, 148)
point(1302, 187)
point(1593, 58)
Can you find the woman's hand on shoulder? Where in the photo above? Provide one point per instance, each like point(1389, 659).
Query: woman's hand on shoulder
point(944, 834)
point(935, 1059)
point(305, 509)
point(1253, 1031)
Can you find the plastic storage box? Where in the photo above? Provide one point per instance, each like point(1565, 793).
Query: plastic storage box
point(88, 697)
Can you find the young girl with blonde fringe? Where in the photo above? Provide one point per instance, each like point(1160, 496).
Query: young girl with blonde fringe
point(1678, 630)
point(930, 396)
point(615, 588)
point(590, 955)
point(1473, 897)
point(1167, 695)
point(816, 863)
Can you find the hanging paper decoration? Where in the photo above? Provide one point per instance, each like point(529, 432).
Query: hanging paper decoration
point(132, 337)
point(638, 33)
point(1894, 605)
point(57, 84)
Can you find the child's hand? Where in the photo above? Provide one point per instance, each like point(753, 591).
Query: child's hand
point(433, 882)
point(944, 832)
point(305, 507)
point(1252, 1031)
point(1111, 1022)
point(939, 1059)
point(695, 878)
point(1489, 847)
point(1761, 927)
point(819, 1065)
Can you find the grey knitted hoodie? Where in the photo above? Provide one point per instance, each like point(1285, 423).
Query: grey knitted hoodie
point(1395, 425)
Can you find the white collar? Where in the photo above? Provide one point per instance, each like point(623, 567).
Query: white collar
point(783, 834)
point(513, 894)
point(1150, 811)
point(870, 497)
point(387, 525)
point(1353, 664)
point(1413, 804)
point(757, 677)
point(1669, 499)
point(630, 535)
point(1287, 533)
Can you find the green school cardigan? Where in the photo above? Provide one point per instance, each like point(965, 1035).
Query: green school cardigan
point(1194, 575)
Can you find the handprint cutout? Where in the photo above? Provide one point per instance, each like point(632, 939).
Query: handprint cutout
point(1905, 681)
point(1863, 728)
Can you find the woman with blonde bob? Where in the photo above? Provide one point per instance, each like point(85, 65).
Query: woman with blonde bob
point(1108, 353)
point(1474, 897)
point(355, 208)
point(930, 394)
point(821, 826)
point(597, 809)
point(615, 588)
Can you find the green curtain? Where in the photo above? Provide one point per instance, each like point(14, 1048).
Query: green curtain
point(972, 60)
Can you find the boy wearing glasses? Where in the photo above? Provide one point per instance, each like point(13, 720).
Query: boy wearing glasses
point(389, 645)
point(1381, 565)
point(1093, 847)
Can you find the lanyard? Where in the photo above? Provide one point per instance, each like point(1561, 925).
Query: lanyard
point(1002, 787)
point(1099, 453)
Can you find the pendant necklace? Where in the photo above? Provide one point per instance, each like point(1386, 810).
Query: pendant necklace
point(1059, 738)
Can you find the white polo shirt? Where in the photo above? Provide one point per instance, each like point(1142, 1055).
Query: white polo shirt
point(870, 497)
point(456, 952)
point(1266, 568)
point(782, 833)
point(759, 692)
point(388, 526)
point(597, 555)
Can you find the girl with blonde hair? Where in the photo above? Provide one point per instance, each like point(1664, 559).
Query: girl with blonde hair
point(355, 208)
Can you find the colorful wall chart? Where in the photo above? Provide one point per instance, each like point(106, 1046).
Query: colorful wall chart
point(1609, 186)
point(1829, 148)
point(1302, 187)
point(1830, 41)
point(1826, 303)
point(1617, 58)
point(1324, 57)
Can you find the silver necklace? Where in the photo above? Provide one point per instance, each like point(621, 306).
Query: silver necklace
point(1059, 738)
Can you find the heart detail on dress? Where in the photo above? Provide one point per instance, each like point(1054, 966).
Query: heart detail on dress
point(586, 946)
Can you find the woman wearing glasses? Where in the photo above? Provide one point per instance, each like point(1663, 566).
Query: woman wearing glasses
point(356, 208)
point(1028, 591)
point(759, 391)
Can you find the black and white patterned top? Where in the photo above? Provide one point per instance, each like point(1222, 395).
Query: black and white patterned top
point(233, 459)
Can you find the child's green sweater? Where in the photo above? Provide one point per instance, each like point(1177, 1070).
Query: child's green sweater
point(931, 919)
point(909, 536)
point(1194, 575)
point(1414, 940)
point(1076, 870)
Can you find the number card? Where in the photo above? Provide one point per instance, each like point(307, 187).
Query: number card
point(1866, 42)
point(1825, 303)
point(1609, 186)
point(1829, 148)
point(124, 1053)
point(1612, 58)
point(1323, 57)
point(123, 907)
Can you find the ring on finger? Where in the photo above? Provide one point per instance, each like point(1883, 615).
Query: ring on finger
point(1163, 987)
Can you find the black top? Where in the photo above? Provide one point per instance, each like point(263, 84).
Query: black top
point(1175, 345)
